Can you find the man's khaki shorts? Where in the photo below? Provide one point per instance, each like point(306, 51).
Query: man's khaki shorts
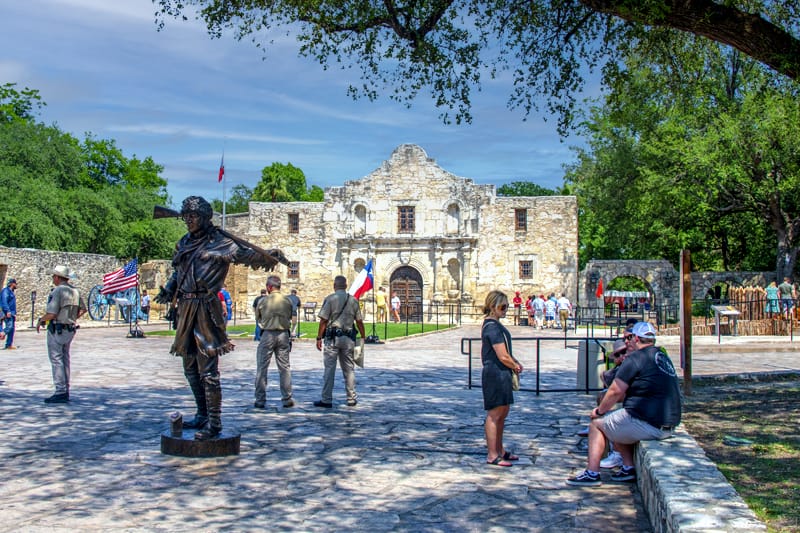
point(619, 426)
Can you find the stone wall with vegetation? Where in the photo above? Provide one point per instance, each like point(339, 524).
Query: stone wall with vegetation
point(33, 271)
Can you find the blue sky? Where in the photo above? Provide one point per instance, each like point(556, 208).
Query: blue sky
point(181, 97)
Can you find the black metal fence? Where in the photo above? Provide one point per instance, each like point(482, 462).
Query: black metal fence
point(599, 321)
point(591, 359)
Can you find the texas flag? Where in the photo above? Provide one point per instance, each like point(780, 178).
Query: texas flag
point(363, 281)
point(221, 168)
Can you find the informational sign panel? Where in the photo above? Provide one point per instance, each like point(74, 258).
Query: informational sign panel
point(727, 311)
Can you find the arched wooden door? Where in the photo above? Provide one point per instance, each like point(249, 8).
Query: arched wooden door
point(407, 283)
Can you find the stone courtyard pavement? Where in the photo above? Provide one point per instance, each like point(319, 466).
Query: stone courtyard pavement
point(409, 457)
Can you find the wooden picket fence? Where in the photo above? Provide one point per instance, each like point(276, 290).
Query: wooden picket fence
point(751, 302)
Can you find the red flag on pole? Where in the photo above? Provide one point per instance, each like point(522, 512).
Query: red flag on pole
point(221, 168)
point(599, 292)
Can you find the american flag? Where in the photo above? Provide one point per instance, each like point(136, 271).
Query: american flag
point(122, 278)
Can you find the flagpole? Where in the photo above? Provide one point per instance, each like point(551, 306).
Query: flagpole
point(373, 297)
point(222, 170)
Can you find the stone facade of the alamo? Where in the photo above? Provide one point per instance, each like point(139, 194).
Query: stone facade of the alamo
point(432, 236)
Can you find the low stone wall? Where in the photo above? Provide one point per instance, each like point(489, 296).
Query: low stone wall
point(683, 491)
point(33, 271)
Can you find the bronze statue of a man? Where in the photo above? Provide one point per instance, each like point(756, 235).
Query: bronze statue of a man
point(201, 261)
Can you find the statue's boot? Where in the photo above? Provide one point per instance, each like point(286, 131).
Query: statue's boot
point(214, 402)
point(201, 417)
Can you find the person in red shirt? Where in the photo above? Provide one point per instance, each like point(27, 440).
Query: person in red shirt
point(529, 309)
point(517, 301)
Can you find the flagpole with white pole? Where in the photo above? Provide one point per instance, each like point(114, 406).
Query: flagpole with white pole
point(222, 179)
point(373, 301)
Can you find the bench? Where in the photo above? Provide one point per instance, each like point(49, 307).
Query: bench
point(310, 311)
point(683, 491)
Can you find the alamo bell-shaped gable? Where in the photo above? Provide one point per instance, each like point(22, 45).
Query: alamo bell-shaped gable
point(432, 236)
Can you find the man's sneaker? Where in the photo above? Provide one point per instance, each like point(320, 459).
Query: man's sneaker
point(613, 460)
point(626, 475)
point(258, 404)
point(320, 403)
point(585, 479)
point(288, 403)
point(57, 398)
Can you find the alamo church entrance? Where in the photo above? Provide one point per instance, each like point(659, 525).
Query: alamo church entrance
point(406, 281)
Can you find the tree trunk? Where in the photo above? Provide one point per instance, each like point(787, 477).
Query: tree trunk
point(749, 33)
point(787, 258)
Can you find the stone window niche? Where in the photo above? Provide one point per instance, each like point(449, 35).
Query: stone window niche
point(360, 221)
point(405, 219)
point(526, 269)
point(294, 223)
point(521, 219)
point(453, 221)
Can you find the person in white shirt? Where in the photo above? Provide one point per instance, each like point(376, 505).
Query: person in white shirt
point(538, 311)
point(395, 301)
point(564, 308)
point(550, 312)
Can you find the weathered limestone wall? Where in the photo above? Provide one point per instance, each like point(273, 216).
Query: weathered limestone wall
point(312, 247)
point(463, 244)
point(550, 243)
point(33, 271)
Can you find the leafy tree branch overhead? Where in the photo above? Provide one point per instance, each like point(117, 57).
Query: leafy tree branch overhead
point(447, 47)
point(61, 193)
point(694, 146)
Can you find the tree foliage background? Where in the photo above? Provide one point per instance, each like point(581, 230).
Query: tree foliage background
point(447, 48)
point(694, 147)
point(60, 193)
point(690, 150)
point(279, 183)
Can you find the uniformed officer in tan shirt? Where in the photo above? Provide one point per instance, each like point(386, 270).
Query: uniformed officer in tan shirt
point(64, 307)
point(339, 316)
point(274, 315)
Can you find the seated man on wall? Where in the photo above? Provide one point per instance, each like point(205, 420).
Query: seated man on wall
point(647, 386)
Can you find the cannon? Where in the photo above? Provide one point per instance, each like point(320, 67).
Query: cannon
point(99, 304)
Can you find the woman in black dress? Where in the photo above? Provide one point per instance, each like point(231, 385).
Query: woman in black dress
point(498, 364)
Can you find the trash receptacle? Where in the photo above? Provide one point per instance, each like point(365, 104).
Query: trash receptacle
point(596, 362)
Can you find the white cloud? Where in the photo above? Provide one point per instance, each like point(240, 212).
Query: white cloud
point(200, 133)
point(180, 97)
point(134, 9)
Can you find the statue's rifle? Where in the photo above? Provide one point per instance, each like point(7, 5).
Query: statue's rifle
point(277, 255)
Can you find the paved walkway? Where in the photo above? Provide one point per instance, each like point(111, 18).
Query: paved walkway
point(409, 457)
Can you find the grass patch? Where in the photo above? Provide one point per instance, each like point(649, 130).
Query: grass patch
point(764, 412)
point(309, 330)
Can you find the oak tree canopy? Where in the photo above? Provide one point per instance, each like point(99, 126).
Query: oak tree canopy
point(447, 47)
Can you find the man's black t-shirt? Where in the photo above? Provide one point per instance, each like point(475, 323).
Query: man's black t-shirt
point(653, 393)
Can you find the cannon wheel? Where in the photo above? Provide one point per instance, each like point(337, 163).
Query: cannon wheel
point(128, 313)
point(97, 303)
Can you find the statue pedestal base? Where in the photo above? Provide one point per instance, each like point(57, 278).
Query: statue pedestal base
point(226, 443)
